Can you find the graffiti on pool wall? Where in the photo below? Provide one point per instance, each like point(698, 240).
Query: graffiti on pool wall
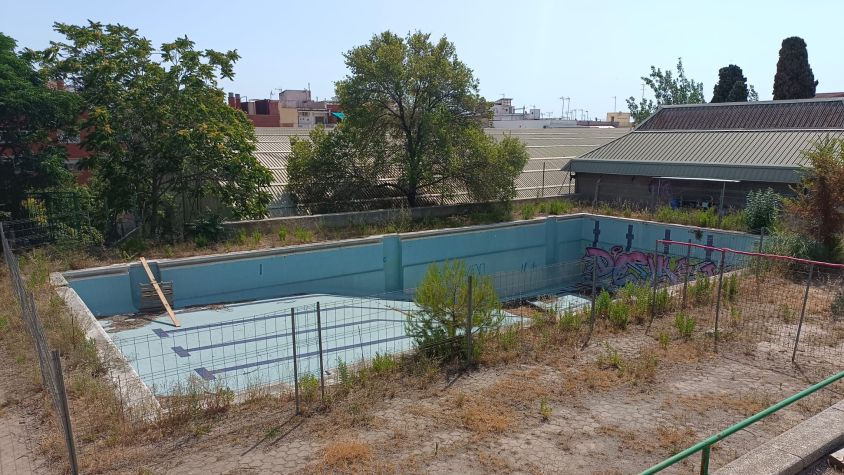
point(617, 266)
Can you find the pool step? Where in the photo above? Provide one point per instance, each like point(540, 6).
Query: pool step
point(149, 298)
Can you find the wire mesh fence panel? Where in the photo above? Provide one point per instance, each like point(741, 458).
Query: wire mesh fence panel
point(49, 362)
point(780, 311)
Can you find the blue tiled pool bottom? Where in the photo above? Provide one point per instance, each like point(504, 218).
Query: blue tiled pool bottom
point(251, 344)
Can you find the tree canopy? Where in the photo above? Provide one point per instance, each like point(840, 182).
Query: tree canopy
point(32, 118)
point(819, 200)
point(667, 88)
point(794, 78)
point(413, 130)
point(732, 86)
point(160, 134)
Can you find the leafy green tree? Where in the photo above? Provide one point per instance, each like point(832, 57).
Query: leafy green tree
point(668, 88)
point(794, 78)
point(732, 86)
point(414, 127)
point(160, 133)
point(819, 201)
point(32, 117)
point(443, 298)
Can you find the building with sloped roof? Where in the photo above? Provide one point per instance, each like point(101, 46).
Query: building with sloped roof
point(691, 155)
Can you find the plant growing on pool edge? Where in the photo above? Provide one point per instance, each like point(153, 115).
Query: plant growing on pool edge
point(438, 326)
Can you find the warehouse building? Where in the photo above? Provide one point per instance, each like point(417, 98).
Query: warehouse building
point(692, 155)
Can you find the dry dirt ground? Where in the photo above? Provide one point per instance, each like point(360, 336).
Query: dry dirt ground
point(573, 415)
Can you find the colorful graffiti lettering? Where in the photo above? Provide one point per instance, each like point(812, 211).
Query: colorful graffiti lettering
point(616, 267)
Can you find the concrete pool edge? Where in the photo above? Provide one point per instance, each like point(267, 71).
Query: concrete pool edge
point(169, 262)
point(133, 392)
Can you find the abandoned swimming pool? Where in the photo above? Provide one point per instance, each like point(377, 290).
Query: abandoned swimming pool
point(235, 309)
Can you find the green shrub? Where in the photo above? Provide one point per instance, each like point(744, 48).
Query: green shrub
point(508, 339)
point(308, 387)
point(685, 325)
point(442, 298)
point(303, 234)
point(619, 315)
point(762, 209)
point(700, 291)
point(282, 234)
point(344, 375)
point(560, 207)
point(664, 340)
point(661, 302)
point(570, 321)
point(602, 304)
point(206, 228)
point(544, 409)
point(611, 358)
point(528, 211)
point(382, 364)
point(731, 288)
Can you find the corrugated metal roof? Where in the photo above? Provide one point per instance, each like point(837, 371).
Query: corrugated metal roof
point(796, 114)
point(773, 156)
point(554, 147)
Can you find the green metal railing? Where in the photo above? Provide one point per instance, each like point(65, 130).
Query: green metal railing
point(704, 446)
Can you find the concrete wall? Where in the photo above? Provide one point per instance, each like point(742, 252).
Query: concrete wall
point(380, 264)
point(641, 189)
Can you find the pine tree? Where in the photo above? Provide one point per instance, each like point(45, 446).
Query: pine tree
point(794, 78)
point(726, 89)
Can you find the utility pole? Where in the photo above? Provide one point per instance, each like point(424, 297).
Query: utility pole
point(563, 109)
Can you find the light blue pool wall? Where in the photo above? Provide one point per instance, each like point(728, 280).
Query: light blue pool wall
point(384, 263)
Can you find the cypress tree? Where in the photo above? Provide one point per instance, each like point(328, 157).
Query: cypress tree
point(725, 89)
point(794, 78)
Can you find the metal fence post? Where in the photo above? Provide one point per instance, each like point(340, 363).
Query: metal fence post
point(295, 367)
point(543, 180)
point(469, 312)
point(319, 338)
point(718, 298)
point(594, 291)
point(802, 312)
point(688, 268)
point(655, 266)
point(64, 412)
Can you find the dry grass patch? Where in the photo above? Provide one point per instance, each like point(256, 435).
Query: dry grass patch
point(493, 463)
point(675, 439)
point(346, 455)
point(745, 404)
point(483, 416)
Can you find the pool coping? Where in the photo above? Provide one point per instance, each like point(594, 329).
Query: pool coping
point(360, 241)
point(131, 389)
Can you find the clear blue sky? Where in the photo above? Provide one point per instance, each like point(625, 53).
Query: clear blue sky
point(533, 51)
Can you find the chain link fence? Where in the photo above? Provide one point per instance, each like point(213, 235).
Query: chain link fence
point(49, 360)
point(776, 310)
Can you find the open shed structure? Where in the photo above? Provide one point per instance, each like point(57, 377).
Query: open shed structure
point(748, 145)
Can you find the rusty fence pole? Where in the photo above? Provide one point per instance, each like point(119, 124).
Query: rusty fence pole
point(802, 312)
point(295, 367)
point(718, 298)
point(655, 267)
point(688, 269)
point(593, 295)
point(64, 412)
point(468, 330)
point(319, 338)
